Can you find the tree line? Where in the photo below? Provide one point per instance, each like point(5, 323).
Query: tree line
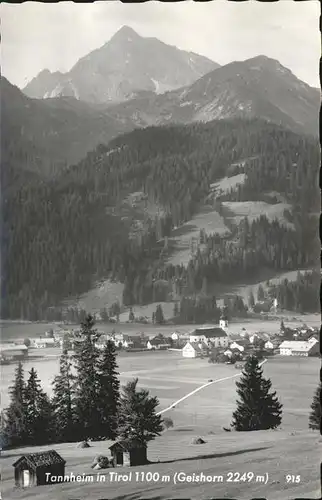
point(87, 403)
point(62, 234)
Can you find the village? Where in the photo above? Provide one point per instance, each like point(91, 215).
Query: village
point(216, 342)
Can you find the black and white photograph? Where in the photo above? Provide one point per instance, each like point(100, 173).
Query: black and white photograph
point(160, 251)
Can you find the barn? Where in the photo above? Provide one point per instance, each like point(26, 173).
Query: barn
point(11, 352)
point(194, 350)
point(299, 348)
point(128, 454)
point(31, 469)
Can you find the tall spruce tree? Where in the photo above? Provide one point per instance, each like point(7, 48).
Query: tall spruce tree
point(315, 415)
point(109, 392)
point(159, 316)
point(251, 300)
point(63, 401)
point(87, 386)
point(138, 422)
point(16, 414)
point(257, 408)
point(260, 293)
point(39, 419)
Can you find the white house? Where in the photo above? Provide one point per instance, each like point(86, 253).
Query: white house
point(253, 337)
point(210, 334)
point(234, 345)
point(45, 342)
point(298, 348)
point(194, 349)
point(269, 345)
point(158, 343)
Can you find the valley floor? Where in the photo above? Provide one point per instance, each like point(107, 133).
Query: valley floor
point(291, 450)
point(272, 454)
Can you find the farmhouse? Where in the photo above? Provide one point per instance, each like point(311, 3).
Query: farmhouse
point(298, 348)
point(235, 345)
point(210, 334)
point(11, 352)
point(194, 350)
point(45, 342)
point(128, 454)
point(32, 469)
point(158, 342)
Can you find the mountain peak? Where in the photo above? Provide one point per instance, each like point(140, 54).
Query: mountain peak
point(264, 61)
point(126, 32)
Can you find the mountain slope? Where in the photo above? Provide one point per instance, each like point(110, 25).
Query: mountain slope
point(52, 132)
point(128, 63)
point(259, 87)
point(108, 216)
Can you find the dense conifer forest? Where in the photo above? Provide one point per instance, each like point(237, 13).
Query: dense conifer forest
point(61, 234)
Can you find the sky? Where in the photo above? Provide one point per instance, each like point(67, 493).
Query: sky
point(36, 36)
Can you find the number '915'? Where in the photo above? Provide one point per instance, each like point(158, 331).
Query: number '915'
point(292, 479)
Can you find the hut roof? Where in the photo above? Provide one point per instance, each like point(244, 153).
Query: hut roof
point(210, 332)
point(41, 459)
point(126, 446)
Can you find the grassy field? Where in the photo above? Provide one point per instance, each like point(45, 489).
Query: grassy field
point(254, 209)
point(227, 183)
point(169, 376)
point(180, 238)
point(103, 295)
point(290, 450)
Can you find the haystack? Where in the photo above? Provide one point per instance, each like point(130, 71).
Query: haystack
point(83, 444)
point(101, 462)
point(198, 440)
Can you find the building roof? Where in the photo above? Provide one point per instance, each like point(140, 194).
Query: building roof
point(210, 331)
point(198, 346)
point(13, 347)
point(40, 459)
point(297, 345)
point(45, 340)
point(159, 341)
point(125, 446)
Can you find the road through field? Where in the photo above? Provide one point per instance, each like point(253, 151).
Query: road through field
point(173, 405)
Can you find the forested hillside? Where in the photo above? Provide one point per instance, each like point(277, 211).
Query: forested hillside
point(59, 236)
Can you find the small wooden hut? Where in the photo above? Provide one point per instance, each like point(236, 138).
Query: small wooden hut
point(31, 469)
point(128, 454)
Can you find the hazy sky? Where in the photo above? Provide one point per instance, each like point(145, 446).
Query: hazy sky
point(36, 36)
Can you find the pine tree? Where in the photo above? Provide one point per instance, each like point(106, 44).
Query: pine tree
point(175, 310)
point(257, 409)
point(251, 300)
point(16, 414)
point(39, 419)
point(131, 315)
point(87, 383)
point(138, 421)
point(63, 401)
point(109, 392)
point(159, 317)
point(315, 415)
point(260, 293)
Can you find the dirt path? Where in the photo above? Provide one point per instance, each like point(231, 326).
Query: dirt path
point(200, 388)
